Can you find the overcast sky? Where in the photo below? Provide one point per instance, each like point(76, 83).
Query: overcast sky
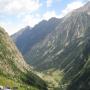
point(16, 14)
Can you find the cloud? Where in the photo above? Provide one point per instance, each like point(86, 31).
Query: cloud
point(19, 6)
point(34, 19)
point(26, 13)
point(70, 7)
point(16, 9)
point(31, 19)
point(49, 3)
point(9, 27)
point(49, 14)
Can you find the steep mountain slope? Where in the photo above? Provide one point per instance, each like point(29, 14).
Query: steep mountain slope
point(62, 54)
point(21, 40)
point(13, 68)
point(57, 44)
point(68, 37)
point(28, 37)
point(82, 80)
point(63, 49)
point(10, 57)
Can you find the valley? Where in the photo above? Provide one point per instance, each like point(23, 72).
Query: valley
point(61, 54)
point(52, 55)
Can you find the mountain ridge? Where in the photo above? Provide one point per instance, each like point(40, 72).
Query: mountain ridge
point(36, 32)
point(63, 52)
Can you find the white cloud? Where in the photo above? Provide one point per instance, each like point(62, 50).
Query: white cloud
point(19, 6)
point(49, 14)
point(49, 2)
point(31, 19)
point(34, 19)
point(70, 7)
point(18, 9)
point(24, 10)
point(9, 27)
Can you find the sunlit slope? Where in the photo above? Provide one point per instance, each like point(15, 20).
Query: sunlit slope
point(13, 68)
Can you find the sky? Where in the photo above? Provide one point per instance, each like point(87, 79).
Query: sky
point(16, 14)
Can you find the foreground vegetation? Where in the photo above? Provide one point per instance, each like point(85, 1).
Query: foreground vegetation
point(12, 83)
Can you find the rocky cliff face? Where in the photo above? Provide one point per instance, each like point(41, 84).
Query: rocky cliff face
point(82, 80)
point(27, 37)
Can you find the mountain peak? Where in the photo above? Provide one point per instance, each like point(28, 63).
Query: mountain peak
point(85, 8)
point(27, 27)
point(53, 19)
point(88, 3)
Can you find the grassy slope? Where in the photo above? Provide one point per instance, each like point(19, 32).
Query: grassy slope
point(13, 67)
point(52, 77)
point(11, 83)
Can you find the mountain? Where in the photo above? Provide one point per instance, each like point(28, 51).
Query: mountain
point(82, 80)
point(10, 57)
point(13, 69)
point(27, 37)
point(62, 56)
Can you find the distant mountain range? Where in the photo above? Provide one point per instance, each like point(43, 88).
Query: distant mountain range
point(27, 37)
point(59, 48)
